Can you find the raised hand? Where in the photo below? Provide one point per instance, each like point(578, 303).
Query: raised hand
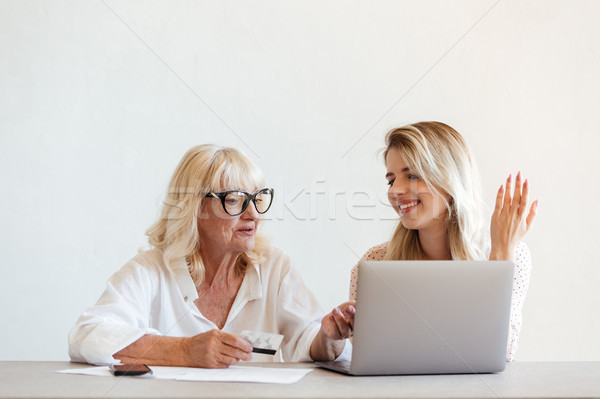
point(512, 218)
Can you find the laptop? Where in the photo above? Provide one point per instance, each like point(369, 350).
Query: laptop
point(430, 317)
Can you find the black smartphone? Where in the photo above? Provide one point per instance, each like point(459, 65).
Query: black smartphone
point(130, 369)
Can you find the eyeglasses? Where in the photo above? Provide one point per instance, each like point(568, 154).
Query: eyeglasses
point(235, 202)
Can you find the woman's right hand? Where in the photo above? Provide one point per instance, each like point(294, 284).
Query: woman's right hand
point(216, 349)
point(339, 324)
point(335, 328)
point(512, 218)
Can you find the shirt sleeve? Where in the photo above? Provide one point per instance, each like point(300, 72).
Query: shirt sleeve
point(120, 317)
point(520, 285)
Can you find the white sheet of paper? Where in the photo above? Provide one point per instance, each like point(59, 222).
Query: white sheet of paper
point(247, 374)
point(170, 373)
point(101, 371)
point(231, 374)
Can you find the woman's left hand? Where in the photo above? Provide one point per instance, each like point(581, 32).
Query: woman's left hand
point(511, 219)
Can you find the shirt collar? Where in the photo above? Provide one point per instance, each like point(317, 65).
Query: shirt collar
point(250, 289)
point(253, 282)
point(185, 282)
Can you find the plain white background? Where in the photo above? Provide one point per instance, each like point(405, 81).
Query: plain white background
point(99, 100)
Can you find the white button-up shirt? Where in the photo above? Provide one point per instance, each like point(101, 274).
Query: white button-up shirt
point(148, 297)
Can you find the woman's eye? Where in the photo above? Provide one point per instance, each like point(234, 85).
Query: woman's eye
point(231, 201)
point(390, 182)
point(413, 177)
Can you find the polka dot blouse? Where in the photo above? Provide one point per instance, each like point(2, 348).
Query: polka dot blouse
point(520, 285)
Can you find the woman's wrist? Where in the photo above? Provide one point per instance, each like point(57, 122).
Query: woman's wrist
point(324, 348)
point(183, 351)
point(502, 254)
point(156, 350)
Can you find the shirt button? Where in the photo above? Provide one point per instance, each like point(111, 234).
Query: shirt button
point(185, 298)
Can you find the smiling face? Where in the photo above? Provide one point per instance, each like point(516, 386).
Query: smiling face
point(222, 233)
point(419, 207)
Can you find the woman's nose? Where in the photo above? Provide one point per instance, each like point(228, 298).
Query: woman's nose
point(250, 212)
point(398, 188)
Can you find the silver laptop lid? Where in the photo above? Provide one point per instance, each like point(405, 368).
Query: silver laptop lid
point(432, 317)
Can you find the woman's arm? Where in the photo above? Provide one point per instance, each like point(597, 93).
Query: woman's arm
point(519, 291)
point(119, 318)
point(118, 328)
point(213, 349)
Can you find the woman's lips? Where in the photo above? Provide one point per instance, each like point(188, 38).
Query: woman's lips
point(405, 207)
point(248, 231)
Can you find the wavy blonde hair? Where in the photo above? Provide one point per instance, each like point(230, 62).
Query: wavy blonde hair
point(203, 169)
point(440, 156)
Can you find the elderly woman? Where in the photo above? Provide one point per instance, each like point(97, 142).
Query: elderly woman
point(209, 276)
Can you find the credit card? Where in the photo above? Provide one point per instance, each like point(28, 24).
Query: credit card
point(263, 342)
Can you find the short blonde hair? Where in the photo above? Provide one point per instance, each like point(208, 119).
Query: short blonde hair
point(203, 169)
point(440, 156)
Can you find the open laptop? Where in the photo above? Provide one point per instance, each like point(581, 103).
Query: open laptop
point(430, 317)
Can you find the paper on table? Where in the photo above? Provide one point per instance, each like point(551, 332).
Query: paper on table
point(101, 371)
point(231, 374)
point(247, 374)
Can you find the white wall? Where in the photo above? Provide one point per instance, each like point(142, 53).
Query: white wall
point(100, 99)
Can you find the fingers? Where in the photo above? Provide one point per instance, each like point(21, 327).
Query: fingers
point(499, 199)
point(342, 324)
point(349, 310)
point(234, 347)
point(236, 342)
point(516, 200)
point(342, 321)
point(230, 355)
point(512, 217)
point(524, 199)
point(532, 214)
point(218, 349)
point(508, 193)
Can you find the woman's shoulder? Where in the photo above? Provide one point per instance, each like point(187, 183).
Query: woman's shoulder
point(148, 262)
point(374, 253)
point(273, 258)
point(276, 266)
point(377, 252)
point(273, 255)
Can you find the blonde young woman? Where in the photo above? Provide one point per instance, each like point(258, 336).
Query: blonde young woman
point(209, 275)
point(434, 188)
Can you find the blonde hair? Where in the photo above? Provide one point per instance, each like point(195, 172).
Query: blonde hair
point(440, 156)
point(203, 169)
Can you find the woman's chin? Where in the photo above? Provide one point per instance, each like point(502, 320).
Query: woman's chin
point(409, 224)
point(246, 245)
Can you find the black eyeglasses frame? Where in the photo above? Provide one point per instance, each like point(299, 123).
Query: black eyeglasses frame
point(249, 198)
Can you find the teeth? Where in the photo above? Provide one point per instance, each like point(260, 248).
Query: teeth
point(404, 206)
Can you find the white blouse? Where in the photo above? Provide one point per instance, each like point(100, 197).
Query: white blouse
point(147, 297)
point(520, 286)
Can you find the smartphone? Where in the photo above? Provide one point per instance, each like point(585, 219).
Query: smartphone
point(130, 369)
